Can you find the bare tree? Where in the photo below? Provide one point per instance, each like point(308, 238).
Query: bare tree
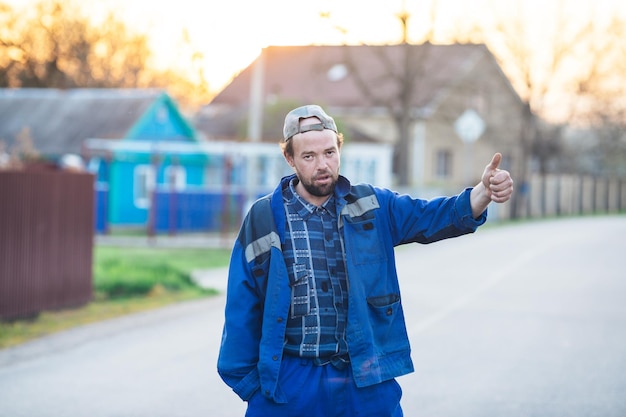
point(601, 106)
point(406, 80)
point(538, 74)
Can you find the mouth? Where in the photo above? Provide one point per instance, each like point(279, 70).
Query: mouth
point(324, 179)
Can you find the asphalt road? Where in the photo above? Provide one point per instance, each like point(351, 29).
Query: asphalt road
point(521, 320)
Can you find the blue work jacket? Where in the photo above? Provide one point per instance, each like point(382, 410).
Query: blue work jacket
point(372, 221)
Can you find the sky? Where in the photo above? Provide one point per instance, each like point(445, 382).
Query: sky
point(230, 34)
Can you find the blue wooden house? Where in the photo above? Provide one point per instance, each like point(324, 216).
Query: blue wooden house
point(135, 141)
point(157, 153)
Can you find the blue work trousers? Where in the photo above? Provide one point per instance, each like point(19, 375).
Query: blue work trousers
point(326, 391)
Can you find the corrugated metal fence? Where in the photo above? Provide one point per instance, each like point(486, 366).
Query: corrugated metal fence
point(46, 240)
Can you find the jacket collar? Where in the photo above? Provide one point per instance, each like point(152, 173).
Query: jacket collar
point(341, 191)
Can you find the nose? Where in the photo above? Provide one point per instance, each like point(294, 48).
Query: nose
point(322, 164)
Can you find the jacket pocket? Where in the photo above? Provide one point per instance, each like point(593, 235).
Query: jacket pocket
point(365, 242)
point(387, 323)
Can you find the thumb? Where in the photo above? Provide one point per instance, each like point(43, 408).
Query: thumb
point(495, 161)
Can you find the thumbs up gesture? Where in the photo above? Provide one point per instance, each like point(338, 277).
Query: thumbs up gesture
point(498, 183)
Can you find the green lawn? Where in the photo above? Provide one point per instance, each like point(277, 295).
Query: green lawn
point(126, 280)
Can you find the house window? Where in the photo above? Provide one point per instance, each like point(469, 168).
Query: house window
point(143, 185)
point(175, 177)
point(443, 164)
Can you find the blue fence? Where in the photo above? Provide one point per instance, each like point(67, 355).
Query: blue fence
point(183, 212)
point(176, 212)
point(101, 213)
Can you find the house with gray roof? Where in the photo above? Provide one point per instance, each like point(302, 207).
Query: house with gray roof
point(59, 121)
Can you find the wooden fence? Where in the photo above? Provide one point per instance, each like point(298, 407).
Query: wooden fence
point(566, 195)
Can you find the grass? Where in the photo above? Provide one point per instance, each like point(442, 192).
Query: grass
point(183, 259)
point(126, 280)
point(126, 272)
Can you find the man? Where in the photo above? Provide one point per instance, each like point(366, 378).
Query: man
point(314, 321)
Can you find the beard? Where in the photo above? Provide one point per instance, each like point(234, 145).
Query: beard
point(323, 190)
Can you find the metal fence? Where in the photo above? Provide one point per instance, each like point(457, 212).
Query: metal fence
point(46, 240)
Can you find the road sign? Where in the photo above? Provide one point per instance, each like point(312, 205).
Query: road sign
point(469, 126)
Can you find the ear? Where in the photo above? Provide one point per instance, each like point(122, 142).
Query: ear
point(288, 159)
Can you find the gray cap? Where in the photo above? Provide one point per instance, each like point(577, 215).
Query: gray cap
point(292, 121)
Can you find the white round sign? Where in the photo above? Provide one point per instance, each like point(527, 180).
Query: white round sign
point(469, 126)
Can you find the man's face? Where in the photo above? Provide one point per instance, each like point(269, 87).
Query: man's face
point(316, 161)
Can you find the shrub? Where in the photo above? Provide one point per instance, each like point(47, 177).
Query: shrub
point(115, 278)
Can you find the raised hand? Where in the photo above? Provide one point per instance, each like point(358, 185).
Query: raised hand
point(498, 183)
